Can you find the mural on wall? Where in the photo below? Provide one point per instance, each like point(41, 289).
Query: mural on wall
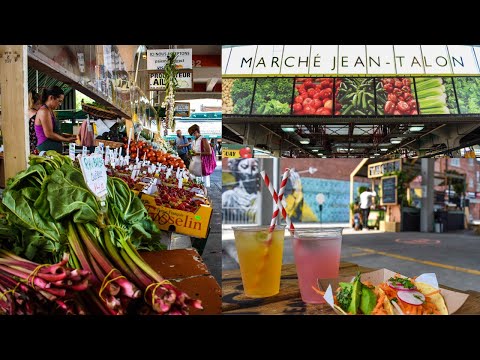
point(301, 198)
point(240, 190)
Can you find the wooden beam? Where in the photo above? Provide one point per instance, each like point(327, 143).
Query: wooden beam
point(13, 82)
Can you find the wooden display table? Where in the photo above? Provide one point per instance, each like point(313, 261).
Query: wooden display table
point(186, 270)
point(289, 302)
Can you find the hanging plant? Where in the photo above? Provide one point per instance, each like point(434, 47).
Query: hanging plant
point(171, 85)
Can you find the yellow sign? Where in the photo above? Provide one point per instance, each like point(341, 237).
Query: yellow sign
point(182, 222)
point(234, 151)
point(230, 153)
point(385, 167)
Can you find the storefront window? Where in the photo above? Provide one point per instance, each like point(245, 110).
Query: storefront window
point(455, 162)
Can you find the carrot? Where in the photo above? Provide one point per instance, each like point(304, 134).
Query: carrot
point(379, 302)
point(318, 291)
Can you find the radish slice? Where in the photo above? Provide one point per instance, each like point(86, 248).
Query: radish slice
point(411, 297)
point(398, 286)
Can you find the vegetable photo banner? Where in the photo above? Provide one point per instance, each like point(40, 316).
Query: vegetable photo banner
point(352, 96)
point(350, 60)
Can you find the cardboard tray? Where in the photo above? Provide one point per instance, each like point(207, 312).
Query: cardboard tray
point(453, 299)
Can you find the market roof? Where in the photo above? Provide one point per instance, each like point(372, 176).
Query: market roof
point(44, 81)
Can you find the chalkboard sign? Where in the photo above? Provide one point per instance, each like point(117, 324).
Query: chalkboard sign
point(389, 190)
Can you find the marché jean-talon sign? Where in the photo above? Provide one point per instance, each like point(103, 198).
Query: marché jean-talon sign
point(361, 60)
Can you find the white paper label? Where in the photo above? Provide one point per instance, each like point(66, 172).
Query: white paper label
point(95, 174)
point(84, 151)
point(71, 151)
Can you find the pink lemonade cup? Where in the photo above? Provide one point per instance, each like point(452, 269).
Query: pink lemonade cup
point(317, 256)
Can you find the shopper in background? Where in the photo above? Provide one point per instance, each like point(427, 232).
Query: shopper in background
point(183, 147)
point(34, 103)
point(366, 202)
point(196, 162)
point(46, 127)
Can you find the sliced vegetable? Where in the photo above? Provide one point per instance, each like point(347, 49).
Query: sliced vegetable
point(411, 297)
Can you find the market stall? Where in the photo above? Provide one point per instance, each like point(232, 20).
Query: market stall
point(101, 247)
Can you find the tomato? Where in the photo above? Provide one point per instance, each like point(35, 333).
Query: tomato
point(397, 92)
point(408, 96)
point(317, 95)
point(297, 107)
point(301, 88)
point(326, 93)
point(406, 82)
point(328, 105)
point(396, 112)
point(311, 92)
point(299, 99)
point(325, 84)
point(307, 102)
point(309, 110)
point(317, 103)
point(324, 111)
point(308, 84)
point(398, 84)
point(301, 112)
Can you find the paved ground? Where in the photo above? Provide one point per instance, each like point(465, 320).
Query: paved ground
point(454, 256)
point(212, 254)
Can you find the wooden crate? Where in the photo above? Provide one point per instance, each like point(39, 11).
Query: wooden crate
point(112, 144)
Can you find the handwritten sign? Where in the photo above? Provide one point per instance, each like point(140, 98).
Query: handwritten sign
point(389, 190)
point(95, 174)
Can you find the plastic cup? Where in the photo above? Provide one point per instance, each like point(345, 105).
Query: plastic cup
point(260, 262)
point(317, 256)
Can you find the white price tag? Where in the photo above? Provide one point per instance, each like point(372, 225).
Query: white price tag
point(71, 151)
point(84, 151)
point(102, 147)
point(95, 174)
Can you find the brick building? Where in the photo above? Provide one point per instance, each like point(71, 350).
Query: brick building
point(469, 167)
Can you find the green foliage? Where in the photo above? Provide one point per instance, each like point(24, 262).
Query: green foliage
point(273, 96)
point(468, 90)
point(41, 201)
point(242, 93)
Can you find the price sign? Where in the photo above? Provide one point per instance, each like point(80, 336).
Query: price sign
point(95, 174)
point(71, 151)
point(84, 151)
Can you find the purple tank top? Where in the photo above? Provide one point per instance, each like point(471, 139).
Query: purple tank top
point(41, 137)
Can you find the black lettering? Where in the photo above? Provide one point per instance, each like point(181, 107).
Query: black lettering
point(199, 226)
point(359, 60)
point(249, 62)
point(300, 61)
point(400, 58)
point(370, 60)
point(424, 61)
point(261, 62)
point(444, 61)
point(275, 61)
point(344, 61)
point(334, 63)
point(316, 61)
point(415, 61)
point(458, 61)
point(290, 57)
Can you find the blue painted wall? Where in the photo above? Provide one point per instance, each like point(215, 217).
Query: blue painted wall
point(337, 197)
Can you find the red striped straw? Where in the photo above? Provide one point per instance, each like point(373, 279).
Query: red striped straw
point(278, 199)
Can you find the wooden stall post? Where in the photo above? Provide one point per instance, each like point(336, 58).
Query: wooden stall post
point(13, 82)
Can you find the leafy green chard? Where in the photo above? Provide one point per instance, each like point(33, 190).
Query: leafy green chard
point(468, 89)
point(242, 93)
point(273, 96)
